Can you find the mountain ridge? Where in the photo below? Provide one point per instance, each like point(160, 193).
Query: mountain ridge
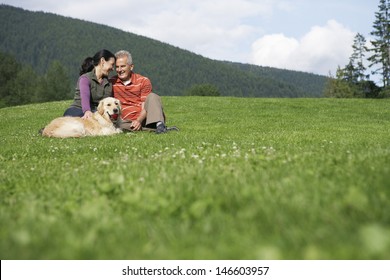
point(38, 38)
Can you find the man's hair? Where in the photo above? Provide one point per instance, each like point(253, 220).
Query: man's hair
point(123, 53)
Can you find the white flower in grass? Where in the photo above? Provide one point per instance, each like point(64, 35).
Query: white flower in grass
point(125, 158)
point(237, 153)
point(182, 153)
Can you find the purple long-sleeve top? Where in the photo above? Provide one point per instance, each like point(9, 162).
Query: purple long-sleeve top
point(85, 93)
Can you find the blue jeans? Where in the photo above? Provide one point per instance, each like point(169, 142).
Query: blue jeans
point(73, 112)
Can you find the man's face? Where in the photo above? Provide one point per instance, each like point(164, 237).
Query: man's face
point(123, 69)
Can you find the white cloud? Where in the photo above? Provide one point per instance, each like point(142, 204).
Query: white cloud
point(216, 29)
point(319, 51)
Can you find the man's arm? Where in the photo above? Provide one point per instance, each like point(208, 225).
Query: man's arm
point(137, 124)
point(146, 89)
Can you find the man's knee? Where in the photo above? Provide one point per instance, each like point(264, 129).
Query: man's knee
point(153, 98)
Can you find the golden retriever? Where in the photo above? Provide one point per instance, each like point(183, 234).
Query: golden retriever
point(101, 123)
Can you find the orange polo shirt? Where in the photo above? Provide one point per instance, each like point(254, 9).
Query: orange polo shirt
point(131, 95)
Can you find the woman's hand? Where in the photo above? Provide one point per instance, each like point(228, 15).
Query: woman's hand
point(87, 115)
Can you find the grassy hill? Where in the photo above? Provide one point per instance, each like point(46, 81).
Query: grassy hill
point(38, 38)
point(294, 179)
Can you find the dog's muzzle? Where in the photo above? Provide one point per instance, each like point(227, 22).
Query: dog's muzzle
point(114, 117)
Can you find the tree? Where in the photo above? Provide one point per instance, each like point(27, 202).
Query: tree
point(23, 88)
point(357, 58)
point(20, 84)
point(349, 73)
point(340, 87)
point(57, 83)
point(9, 67)
point(381, 43)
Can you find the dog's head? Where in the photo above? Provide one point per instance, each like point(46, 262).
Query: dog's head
point(110, 108)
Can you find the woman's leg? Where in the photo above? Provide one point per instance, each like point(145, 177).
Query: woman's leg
point(73, 112)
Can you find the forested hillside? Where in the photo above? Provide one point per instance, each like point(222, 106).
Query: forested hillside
point(39, 38)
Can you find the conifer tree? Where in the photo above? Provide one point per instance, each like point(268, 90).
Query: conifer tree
point(57, 83)
point(381, 43)
point(340, 86)
point(357, 58)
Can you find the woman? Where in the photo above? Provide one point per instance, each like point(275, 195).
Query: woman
point(93, 84)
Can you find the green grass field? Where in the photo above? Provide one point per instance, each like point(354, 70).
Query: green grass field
point(243, 179)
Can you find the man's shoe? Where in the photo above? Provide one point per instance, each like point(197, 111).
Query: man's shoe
point(161, 128)
point(172, 128)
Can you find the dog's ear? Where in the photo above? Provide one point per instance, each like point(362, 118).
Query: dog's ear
point(100, 107)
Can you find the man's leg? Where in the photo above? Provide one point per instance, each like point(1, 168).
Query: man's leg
point(125, 125)
point(154, 110)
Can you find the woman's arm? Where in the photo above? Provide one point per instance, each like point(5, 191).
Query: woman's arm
point(85, 95)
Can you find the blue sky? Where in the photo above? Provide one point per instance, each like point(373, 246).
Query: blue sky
point(311, 36)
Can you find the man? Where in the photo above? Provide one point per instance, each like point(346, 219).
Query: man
point(141, 108)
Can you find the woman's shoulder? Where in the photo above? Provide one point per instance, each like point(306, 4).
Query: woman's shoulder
point(87, 75)
point(85, 79)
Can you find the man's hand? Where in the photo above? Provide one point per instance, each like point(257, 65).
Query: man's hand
point(136, 125)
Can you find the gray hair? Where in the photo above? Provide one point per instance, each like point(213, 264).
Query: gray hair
point(123, 53)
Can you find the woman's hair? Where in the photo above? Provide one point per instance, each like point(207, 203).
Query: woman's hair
point(90, 62)
point(87, 66)
point(102, 53)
